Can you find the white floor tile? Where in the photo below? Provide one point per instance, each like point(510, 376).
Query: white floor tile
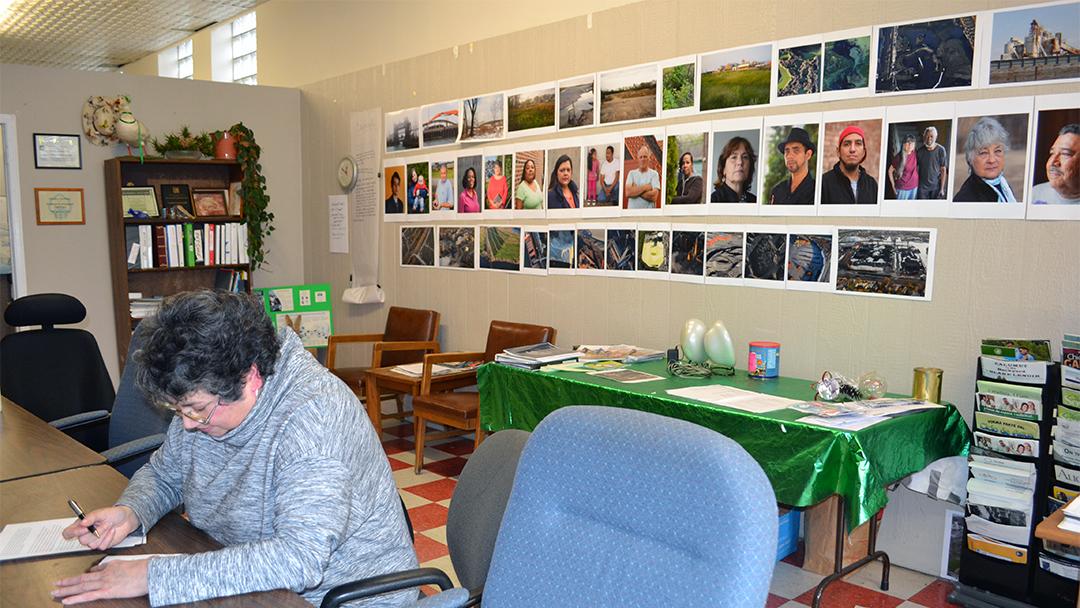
point(405, 478)
point(412, 500)
point(903, 583)
point(790, 582)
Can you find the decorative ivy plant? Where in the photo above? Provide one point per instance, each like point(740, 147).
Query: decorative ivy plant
point(260, 222)
point(185, 140)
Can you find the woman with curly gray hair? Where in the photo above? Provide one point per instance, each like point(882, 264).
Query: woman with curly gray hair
point(984, 149)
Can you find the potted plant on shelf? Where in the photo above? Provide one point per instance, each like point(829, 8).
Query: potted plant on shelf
point(184, 145)
point(260, 222)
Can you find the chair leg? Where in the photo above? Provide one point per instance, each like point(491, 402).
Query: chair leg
point(419, 426)
point(479, 435)
point(400, 400)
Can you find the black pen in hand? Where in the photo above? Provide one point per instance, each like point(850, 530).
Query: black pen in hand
point(82, 516)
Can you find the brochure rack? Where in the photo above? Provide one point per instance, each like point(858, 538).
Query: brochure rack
point(1011, 473)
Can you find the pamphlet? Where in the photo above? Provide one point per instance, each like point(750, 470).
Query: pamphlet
point(1013, 446)
point(1007, 405)
point(1000, 388)
point(1017, 350)
point(1004, 425)
point(619, 352)
point(991, 548)
point(1031, 372)
point(626, 376)
point(849, 422)
point(1066, 475)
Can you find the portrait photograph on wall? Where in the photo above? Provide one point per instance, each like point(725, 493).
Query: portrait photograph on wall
point(735, 161)
point(419, 191)
point(417, 245)
point(687, 253)
point(925, 55)
point(563, 185)
point(603, 174)
point(735, 78)
point(990, 159)
point(531, 110)
point(723, 256)
point(457, 247)
point(561, 242)
point(687, 162)
point(470, 186)
point(394, 202)
point(643, 157)
point(851, 159)
point(482, 117)
point(1034, 44)
point(528, 183)
point(577, 102)
point(790, 165)
point(440, 124)
point(402, 130)
point(918, 161)
point(500, 248)
point(628, 94)
point(497, 169)
point(885, 262)
point(1055, 179)
point(534, 251)
point(443, 192)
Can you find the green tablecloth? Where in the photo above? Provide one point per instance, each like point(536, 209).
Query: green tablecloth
point(805, 463)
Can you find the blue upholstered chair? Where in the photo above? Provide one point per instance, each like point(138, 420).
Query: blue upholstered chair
point(614, 507)
point(56, 372)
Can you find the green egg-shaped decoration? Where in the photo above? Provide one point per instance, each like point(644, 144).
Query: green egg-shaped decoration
point(693, 340)
point(718, 345)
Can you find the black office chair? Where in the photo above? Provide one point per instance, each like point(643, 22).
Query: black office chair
point(56, 372)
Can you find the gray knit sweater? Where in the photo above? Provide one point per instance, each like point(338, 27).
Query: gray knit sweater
point(300, 494)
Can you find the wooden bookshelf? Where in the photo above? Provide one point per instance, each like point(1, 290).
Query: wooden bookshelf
point(158, 281)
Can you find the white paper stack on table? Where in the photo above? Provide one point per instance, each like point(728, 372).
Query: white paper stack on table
point(38, 538)
point(535, 356)
point(736, 398)
point(857, 415)
point(618, 352)
point(415, 370)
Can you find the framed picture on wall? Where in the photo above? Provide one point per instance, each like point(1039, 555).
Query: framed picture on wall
point(59, 205)
point(57, 151)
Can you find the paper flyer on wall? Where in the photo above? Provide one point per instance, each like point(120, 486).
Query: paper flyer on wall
point(1006, 405)
point(991, 548)
point(1012, 446)
point(1011, 390)
point(1004, 425)
point(1030, 372)
point(1059, 567)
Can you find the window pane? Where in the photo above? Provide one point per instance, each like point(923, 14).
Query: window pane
point(185, 68)
point(183, 50)
point(243, 24)
point(243, 44)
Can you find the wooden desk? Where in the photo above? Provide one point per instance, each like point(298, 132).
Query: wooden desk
point(382, 379)
point(29, 446)
point(1048, 529)
point(28, 582)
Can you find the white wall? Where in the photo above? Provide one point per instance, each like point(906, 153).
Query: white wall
point(74, 259)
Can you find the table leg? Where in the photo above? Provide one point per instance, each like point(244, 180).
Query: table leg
point(872, 554)
point(374, 404)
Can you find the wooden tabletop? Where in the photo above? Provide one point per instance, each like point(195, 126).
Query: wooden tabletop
point(381, 379)
point(29, 446)
point(1048, 529)
point(27, 582)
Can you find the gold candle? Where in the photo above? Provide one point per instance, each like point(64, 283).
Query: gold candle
point(926, 385)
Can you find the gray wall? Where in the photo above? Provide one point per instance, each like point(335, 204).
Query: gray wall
point(993, 277)
point(75, 259)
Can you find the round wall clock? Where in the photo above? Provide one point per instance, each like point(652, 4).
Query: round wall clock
point(346, 174)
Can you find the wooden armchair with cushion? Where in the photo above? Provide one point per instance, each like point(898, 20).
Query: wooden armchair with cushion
point(410, 334)
point(461, 410)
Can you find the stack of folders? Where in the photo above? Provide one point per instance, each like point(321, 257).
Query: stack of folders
point(1060, 559)
point(535, 356)
point(144, 307)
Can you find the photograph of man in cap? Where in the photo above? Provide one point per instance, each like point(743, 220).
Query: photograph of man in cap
point(933, 166)
point(798, 151)
point(848, 183)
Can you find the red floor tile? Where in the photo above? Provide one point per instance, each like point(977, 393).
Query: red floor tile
point(934, 595)
point(774, 601)
point(397, 465)
point(451, 467)
point(396, 446)
point(434, 491)
point(458, 447)
point(842, 594)
point(426, 517)
point(428, 549)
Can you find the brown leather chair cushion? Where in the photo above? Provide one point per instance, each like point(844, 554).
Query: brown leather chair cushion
point(457, 406)
point(408, 324)
point(504, 334)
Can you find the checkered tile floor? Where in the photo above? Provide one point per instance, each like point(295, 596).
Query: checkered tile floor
point(427, 497)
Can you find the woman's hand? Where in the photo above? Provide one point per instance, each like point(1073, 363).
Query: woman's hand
point(117, 579)
point(113, 524)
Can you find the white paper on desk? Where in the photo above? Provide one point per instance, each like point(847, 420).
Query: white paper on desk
point(36, 538)
point(854, 422)
point(736, 398)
